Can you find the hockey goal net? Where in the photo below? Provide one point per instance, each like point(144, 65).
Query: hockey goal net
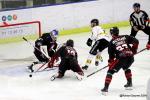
point(13, 31)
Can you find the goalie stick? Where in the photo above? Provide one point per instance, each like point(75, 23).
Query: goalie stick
point(34, 47)
point(107, 65)
point(38, 70)
point(33, 62)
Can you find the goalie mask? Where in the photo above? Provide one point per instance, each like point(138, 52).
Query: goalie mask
point(54, 34)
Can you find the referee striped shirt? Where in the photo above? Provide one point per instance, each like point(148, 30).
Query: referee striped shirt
point(139, 19)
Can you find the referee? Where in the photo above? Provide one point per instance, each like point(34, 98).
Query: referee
point(139, 21)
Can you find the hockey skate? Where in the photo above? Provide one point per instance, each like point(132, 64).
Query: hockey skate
point(53, 77)
point(96, 63)
point(30, 67)
point(101, 59)
point(128, 86)
point(57, 75)
point(85, 67)
point(104, 91)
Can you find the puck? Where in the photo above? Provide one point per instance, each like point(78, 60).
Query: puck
point(30, 75)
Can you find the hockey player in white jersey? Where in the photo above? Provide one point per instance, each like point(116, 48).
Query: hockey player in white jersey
point(101, 40)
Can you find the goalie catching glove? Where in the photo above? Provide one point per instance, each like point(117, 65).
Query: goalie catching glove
point(89, 42)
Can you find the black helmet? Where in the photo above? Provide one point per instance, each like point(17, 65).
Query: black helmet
point(70, 43)
point(95, 21)
point(114, 31)
point(136, 5)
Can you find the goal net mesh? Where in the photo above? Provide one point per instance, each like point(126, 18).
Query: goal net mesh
point(15, 32)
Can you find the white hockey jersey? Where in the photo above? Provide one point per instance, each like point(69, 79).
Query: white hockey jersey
point(98, 33)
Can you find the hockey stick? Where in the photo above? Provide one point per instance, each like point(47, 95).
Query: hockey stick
point(38, 70)
point(107, 65)
point(34, 47)
point(45, 67)
point(40, 67)
point(141, 51)
point(39, 51)
point(97, 71)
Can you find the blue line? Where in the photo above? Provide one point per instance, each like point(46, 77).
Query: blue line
point(44, 5)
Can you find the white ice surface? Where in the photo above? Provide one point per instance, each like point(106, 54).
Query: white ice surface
point(15, 83)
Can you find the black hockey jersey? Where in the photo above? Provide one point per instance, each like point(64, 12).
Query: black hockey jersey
point(46, 40)
point(66, 52)
point(121, 46)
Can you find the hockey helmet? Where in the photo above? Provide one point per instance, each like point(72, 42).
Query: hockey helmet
point(70, 42)
point(136, 5)
point(95, 21)
point(54, 33)
point(114, 31)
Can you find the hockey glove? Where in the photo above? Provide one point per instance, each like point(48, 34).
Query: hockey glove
point(51, 62)
point(51, 52)
point(148, 46)
point(134, 48)
point(38, 42)
point(89, 42)
point(112, 63)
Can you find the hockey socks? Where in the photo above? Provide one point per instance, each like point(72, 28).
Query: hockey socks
point(88, 62)
point(107, 82)
point(128, 76)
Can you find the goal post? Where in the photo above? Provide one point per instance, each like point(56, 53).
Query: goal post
point(14, 32)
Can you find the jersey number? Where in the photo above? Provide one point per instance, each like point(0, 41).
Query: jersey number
point(122, 47)
point(71, 52)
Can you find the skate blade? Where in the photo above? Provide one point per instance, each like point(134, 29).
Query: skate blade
point(105, 93)
point(84, 68)
point(29, 70)
point(128, 88)
point(53, 78)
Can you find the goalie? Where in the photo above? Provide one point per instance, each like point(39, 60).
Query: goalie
point(48, 40)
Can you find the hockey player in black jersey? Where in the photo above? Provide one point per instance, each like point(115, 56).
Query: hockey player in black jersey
point(48, 40)
point(68, 56)
point(139, 20)
point(121, 52)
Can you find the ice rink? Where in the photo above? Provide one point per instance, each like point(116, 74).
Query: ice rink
point(15, 83)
